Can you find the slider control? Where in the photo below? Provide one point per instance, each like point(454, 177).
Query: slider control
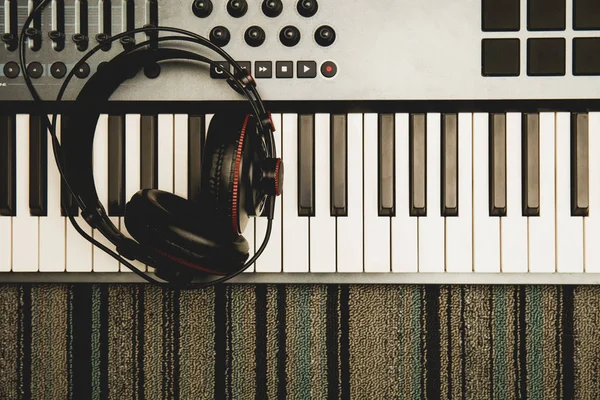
point(34, 34)
point(104, 23)
point(10, 34)
point(128, 22)
point(80, 38)
point(57, 34)
point(152, 21)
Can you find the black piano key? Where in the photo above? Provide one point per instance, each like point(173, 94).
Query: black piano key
point(38, 166)
point(418, 164)
point(386, 169)
point(580, 199)
point(196, 127)
point(116, 165)
point(306, 165)
point(531, 164)
point(339, 165)
point(497, 164)
point(8, 170)
point(500, 15)
point(149, 152)
point(68, 206)
point(449, 165)
point(546, 15)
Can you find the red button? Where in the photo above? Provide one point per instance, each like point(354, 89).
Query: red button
point(328, 69)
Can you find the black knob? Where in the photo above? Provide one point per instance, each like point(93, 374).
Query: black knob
point(325, 36)
point(103, 38)
point(254, 36)
point(220, 36)
point(128, 42)
point(289, 36)
point(272, 8)
point(202, 8)
point(10, 40)
point(80, 41)
point(237, 8)
point(35, 36)
point(307, 8)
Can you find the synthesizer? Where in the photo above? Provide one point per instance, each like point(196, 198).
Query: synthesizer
point(424, 142)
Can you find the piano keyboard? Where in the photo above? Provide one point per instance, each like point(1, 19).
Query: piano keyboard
point(405, 197)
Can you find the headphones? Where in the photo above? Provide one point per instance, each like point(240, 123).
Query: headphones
point(241, 175)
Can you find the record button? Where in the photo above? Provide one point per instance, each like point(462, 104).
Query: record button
point(328, 69)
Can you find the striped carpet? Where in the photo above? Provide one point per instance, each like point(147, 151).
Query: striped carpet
point(299, 342)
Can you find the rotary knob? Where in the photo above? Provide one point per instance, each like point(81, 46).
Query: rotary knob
point(220, 36)
point(307, 8)
point(254, 36)
point(237, 8)
point(325, 36)
point(272, 8)
point(202, 8)
point(289, 36)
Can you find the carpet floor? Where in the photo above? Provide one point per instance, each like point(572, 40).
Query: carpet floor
point(299, 342)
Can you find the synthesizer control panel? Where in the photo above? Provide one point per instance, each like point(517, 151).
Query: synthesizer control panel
point(320, 50)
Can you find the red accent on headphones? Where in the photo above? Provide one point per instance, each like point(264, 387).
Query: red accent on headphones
point(277, 188)
point(236, 178)
point(187, 263)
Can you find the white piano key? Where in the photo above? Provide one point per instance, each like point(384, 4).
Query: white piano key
point(79, 250)
point(25, 227)
point(569, 229)
point(180, 165)
point(431, 227)
point(270, 260)
point(542, 229)
point(350, 228)
point(52, 227)
point(459, 230)
point(404, 227)
point(5, 243)
point(514, 225)
point(592, 222)
point(102, 261)
point(376, 229)
point(132, 172)
point(295, 228)
point(322, 225)
point(486, 229)
point(165, 152)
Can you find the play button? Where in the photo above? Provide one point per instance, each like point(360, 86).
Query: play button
point(307, 69)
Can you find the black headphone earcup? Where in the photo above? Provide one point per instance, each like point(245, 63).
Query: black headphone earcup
point(179, 231)
point(226, 163)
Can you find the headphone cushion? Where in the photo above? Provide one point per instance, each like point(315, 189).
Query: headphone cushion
point(180, 230)
point(220, 192)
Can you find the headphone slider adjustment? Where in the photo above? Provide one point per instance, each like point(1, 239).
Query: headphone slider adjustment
point(266, 120)
point(93, 217)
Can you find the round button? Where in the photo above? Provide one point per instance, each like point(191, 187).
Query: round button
point(83, 71)
point(58, 70)
point(237, 8)
point(328, 69)
point(11, 70)
point(307, 8)
point(272, 8)
point(202, 8)
point(220, 36)
point(254, 36)
point(35, 69)
point(289, 36)
point(325, 36)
